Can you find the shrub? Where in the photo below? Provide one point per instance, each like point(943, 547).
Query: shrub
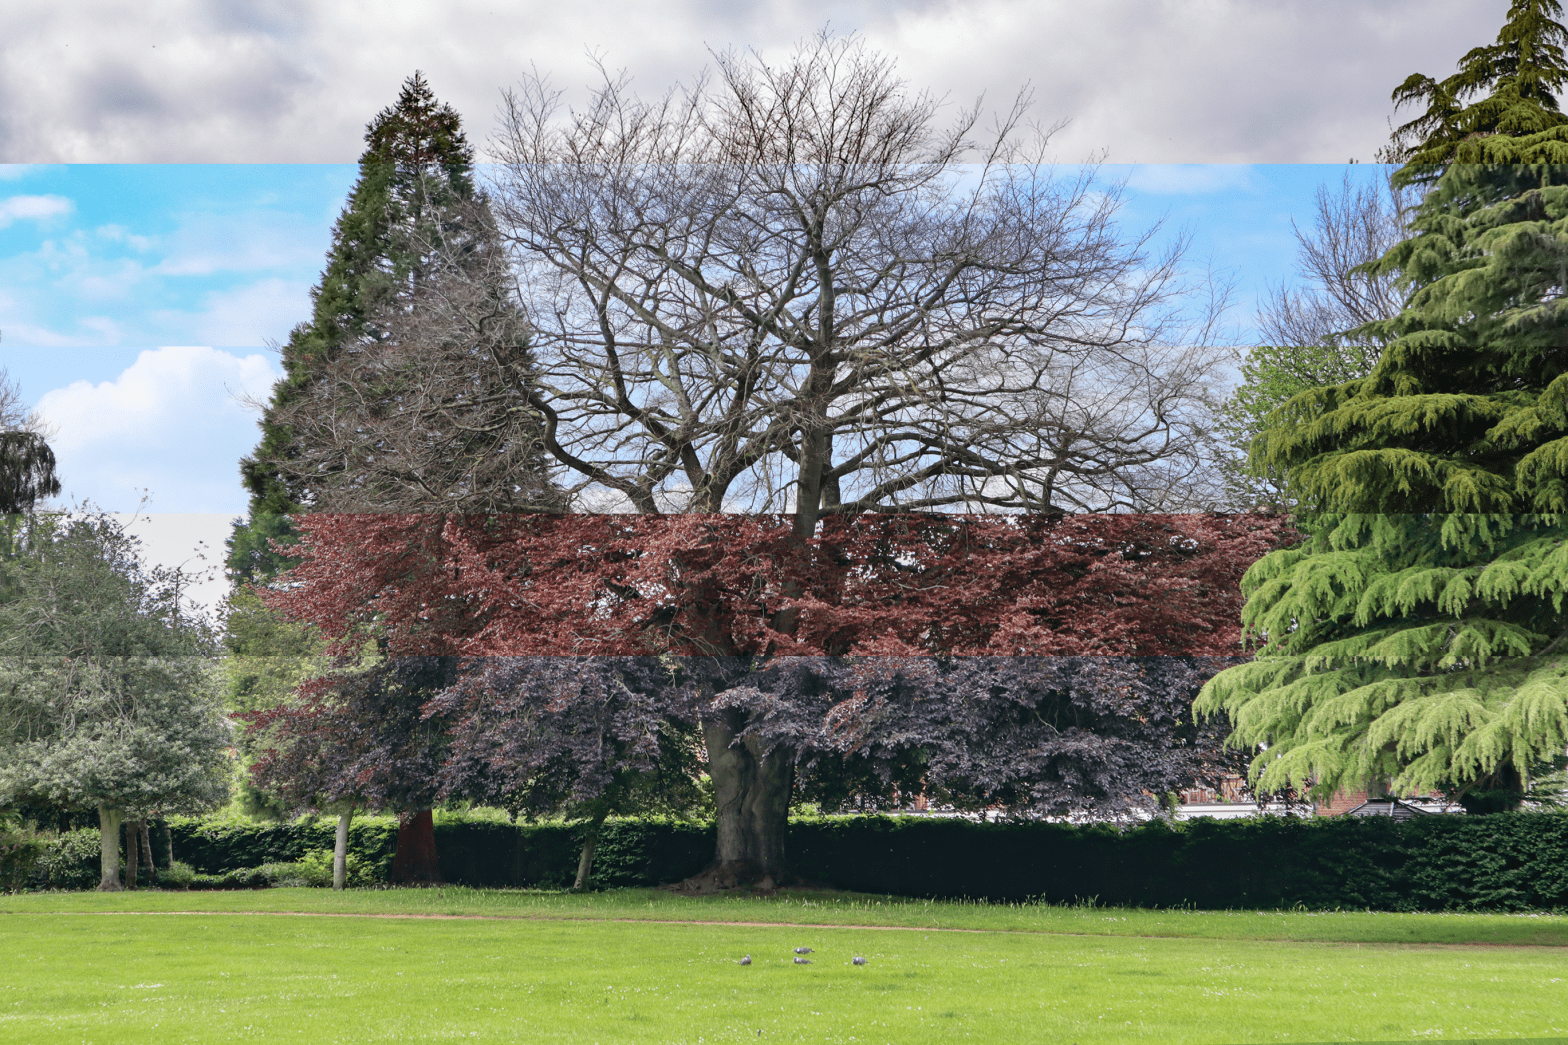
point(20, 851)
point(176, 876)
point(359, 871)
point(68, 861)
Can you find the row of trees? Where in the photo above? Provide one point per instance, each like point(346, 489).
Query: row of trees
point(777, 296)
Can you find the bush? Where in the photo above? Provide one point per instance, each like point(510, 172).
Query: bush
point(20, 851)
point(358, 872)
point(176, 876)
point(217, 845)
point(68, 861)
point(1505, 861)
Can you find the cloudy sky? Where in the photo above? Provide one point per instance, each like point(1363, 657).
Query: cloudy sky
point(171, 171)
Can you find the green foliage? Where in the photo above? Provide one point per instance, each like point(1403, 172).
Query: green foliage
point(68, 861)
point(1513, 861)
point(107, 695)
point(1419, 649)
point(177, 875)
point(315, 868)
point(1270, 377)
point(220, 845)
point(1419, 635)
point(20, 850)
point(1521, 74)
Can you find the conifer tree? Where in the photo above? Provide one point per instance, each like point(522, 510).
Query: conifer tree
point(1521, 72)
point(416, 162)
point(1419, 635)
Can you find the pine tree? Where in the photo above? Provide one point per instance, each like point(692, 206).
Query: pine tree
point(416, 162)
point(1419, 635)
point(1521, 71)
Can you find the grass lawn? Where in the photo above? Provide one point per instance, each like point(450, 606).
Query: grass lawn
point(625, 967)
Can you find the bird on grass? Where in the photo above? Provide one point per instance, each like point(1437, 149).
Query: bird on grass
point(745, 960)
point(802, 961)
point(802, 950)
point(858, 960)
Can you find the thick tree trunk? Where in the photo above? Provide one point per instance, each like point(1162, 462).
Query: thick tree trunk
point(415, 860)
point(132, 844)
point(752, 793)
point(590, 843)
point(340, 850)
point(109, 848)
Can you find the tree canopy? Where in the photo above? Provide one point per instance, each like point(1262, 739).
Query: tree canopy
point(108, 699)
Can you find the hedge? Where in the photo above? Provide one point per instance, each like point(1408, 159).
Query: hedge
point(1501, 862)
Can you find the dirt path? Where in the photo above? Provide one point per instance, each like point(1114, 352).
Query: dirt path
point(816, 925)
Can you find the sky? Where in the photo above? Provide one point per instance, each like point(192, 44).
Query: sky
point(169, 174)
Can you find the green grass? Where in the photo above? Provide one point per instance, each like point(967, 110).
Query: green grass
point(827, 908)
point(620, 967)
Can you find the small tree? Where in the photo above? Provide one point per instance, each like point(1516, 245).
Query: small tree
point(108, 699)
point(583, 737)
point(27, 465)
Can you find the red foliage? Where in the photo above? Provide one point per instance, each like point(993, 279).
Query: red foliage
point(718, 585)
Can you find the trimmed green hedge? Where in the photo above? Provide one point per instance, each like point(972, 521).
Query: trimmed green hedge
point(1502, 862)
point(1513, 861)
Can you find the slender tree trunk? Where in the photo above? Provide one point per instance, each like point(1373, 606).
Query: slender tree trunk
point(132, 843)
point(152, 863)
point(415, 860)
point(109, 848)
point(752, 793)
point(168, 843)
point(340, 850)
point(590, 843)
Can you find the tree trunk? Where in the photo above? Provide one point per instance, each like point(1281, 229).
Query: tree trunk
point(590, 843)
point(415, 860)
point(168, 843)
point(752, 793)
point(340, 850)
point(132, 843)
point(152, 863)
point(109, 848)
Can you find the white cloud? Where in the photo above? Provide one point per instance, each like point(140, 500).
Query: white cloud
point(16, 208)
point(255, 314)
point(172, 423)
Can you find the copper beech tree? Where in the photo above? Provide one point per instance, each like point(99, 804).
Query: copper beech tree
point(1041, 663)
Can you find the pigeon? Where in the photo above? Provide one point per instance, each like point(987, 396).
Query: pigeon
point(858, 960)
point(746, 960)
point(802, 961)
point(802, 950)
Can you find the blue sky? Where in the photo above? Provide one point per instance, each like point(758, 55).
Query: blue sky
point(137, 303)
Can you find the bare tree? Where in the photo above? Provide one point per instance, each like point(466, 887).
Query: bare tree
point(1351, 228)
point(786, 288)
point(1311, 333)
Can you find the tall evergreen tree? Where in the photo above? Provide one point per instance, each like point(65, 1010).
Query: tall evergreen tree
point(1419, 636)
point(416, 162)
point(1520, 73)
